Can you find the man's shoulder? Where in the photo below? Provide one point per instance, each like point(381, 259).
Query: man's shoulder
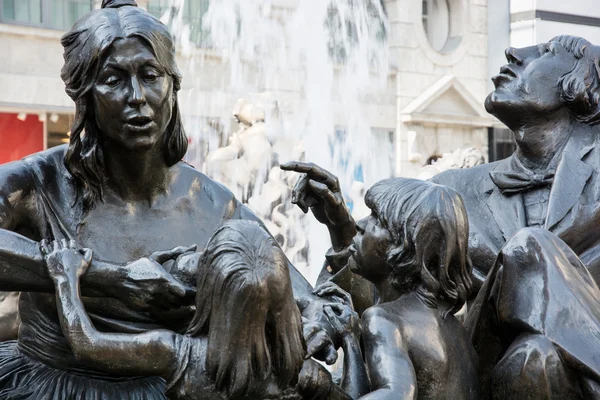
point(461, 176)
point(466, 180)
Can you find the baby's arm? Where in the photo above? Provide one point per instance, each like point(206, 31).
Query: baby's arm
point(390, 369)
point(148, 354)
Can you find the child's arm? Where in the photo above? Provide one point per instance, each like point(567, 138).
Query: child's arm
point(390, 369)
point(345, 323)
point(153, 353)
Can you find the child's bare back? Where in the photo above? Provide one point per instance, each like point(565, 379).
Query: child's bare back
point(437, 350)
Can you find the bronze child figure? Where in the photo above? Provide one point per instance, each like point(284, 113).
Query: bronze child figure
point(413, 248)
point(244, 341)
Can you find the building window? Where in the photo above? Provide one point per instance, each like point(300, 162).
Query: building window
point(501, 143)
point(192, 14)
point(58, 128)
point(443, 23)
point(52, 14)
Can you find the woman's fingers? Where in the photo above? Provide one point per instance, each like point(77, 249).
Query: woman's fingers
point(163, 256)
point(333, 319)
point(319, 345)
point(45, 247)
point(87, 255)
point(330, 289)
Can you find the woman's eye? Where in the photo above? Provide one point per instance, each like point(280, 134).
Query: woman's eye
point(151, 75)
point(111, 81)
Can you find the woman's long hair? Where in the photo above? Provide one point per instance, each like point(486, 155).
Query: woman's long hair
point(245, 306)
point(430, 233)
point(85, 47)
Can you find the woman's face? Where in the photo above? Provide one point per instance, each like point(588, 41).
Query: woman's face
point(370, 248)
point(133, 96)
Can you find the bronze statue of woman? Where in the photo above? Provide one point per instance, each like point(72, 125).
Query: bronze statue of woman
point(120, 189)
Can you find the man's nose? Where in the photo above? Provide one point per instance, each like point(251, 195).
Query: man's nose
point(513, 56)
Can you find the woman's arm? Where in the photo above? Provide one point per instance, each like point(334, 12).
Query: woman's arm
point(140, 284)
point(152, 353)
point(390, 369)
point(22, 268)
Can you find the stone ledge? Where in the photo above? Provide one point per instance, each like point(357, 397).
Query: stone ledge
point(23, 30)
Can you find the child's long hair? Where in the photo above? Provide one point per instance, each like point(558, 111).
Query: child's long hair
point(245, 306)
point(430, 232)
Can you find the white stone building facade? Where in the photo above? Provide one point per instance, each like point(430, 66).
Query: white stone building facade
point(433, 105)
point(441, 79)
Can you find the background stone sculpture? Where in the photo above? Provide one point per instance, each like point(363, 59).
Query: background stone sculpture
point(249, 166)
point(460, 158)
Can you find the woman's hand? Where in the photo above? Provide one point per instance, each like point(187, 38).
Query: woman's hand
point(343, 319)
point(320, 336)
point(319, 190)
point(331, 291)
point(318, 333)
point(314, 381)
point(145, 284)
point(64, 260)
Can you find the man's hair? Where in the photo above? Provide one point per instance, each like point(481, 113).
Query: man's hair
point(86, 46)
point(245, 306)
point(430, 234)
point(580, 87)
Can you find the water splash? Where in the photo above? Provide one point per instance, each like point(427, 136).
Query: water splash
point(306, 68)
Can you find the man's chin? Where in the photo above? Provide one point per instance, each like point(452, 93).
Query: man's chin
point(490, 101)
point(502, 106)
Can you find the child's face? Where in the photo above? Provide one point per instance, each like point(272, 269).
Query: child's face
point(370, 247)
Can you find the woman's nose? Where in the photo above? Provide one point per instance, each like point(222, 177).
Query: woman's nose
point(136, 94)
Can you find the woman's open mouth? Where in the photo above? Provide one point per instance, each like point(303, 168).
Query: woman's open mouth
point(139, 124)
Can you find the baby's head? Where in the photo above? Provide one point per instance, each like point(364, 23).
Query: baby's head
point(245, 307)
point(417, 236)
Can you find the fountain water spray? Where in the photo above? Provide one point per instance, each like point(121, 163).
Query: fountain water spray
point(303, 71)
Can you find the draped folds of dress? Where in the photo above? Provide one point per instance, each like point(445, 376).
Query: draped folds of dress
point(40, 364)
point(536, 322)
